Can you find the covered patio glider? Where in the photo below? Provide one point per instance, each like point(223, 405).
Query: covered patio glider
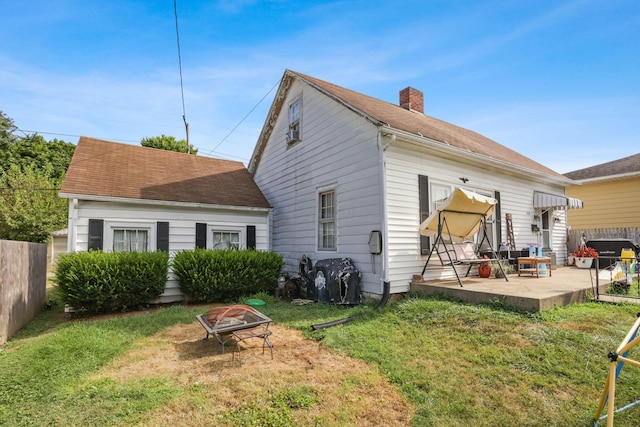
point(461, 216)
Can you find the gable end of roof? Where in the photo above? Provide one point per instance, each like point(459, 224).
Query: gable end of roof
point(383, 113)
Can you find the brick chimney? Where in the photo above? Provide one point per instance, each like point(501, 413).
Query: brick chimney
point(412, 99)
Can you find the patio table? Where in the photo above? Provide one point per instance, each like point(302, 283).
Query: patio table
point(534, 265)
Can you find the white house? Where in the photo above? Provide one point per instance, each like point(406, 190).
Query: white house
point(341, 168)
point(126, 197)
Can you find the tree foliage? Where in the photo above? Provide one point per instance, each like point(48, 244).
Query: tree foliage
point(7, 140)
point(169, 143)
point(30, 208)
point(33, 151)
point(31, 171)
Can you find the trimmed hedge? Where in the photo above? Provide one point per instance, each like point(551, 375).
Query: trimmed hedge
point(103, 282)
point(226, 275)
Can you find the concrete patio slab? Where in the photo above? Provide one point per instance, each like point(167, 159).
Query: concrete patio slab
point(567, 285)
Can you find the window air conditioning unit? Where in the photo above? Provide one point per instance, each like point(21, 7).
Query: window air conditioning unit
point(293, 135)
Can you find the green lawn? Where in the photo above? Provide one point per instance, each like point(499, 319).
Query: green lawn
point(458, 364)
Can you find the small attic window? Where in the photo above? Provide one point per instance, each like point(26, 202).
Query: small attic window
point(293, 134)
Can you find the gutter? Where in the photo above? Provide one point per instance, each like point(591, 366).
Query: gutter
point(96, 198)
point(606, 178)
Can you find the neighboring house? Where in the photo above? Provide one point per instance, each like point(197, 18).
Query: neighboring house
point(57, 246)
point(125, 197)
point(337, 165)
point(610, 192)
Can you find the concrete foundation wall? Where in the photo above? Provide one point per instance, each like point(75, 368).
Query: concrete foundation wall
point(23, 283)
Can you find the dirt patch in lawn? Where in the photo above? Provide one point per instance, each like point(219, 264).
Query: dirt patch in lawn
point(347, 392)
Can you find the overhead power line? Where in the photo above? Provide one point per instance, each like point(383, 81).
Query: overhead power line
point(200, 149)
point(184, 114)
point(28, 189)
point(67, 134)
point(243, 119)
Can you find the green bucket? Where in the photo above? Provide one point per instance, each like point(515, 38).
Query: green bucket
point(255, 303)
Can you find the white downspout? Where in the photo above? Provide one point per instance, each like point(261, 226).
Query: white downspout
point(72, 226)
point(392, 139)
point(384, 259)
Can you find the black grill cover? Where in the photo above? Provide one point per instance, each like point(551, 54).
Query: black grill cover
point(334, 281)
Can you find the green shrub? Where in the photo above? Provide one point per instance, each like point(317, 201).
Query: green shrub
point(226, 275)
point(102, 282)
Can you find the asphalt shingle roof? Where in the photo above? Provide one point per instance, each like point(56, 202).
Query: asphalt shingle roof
point(109, 169)
point(622, 166)
point(419, 124)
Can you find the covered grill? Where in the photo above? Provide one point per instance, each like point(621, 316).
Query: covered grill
point(610, 250)
point(335, 281)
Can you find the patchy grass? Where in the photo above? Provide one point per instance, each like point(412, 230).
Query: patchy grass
point(276, 411)
point(421, 362)
point(155, 369)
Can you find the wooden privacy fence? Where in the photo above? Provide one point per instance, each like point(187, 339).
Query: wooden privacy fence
point(23, 284)
point(574, 236)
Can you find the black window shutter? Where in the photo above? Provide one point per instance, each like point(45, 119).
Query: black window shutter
point(423, 191)
point(96, 228)
point(498, 222)
point(251, 236)
point(201, 235)
point(162, 236)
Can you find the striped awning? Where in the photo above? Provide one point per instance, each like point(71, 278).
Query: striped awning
point(554, 201)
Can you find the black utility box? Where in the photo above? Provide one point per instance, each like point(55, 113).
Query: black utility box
point(609, 250)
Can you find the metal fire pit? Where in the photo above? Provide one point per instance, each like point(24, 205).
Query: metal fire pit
point(238, 322)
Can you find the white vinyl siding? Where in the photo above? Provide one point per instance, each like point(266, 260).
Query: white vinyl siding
point(181, 227)
point(342, 149)
point(403, 165)
point(339, 152)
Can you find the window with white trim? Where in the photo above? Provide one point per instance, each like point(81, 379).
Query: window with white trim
point(130, 240)
point(439, 193)
point(130, 236)
point(546, 229)
point(327, 221)
point(295, 109)
point(225, 240)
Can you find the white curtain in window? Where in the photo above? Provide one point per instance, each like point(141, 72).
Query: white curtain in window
point(125, 240)
point(226, 240)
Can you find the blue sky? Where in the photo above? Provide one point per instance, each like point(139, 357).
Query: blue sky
point(558, 81)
